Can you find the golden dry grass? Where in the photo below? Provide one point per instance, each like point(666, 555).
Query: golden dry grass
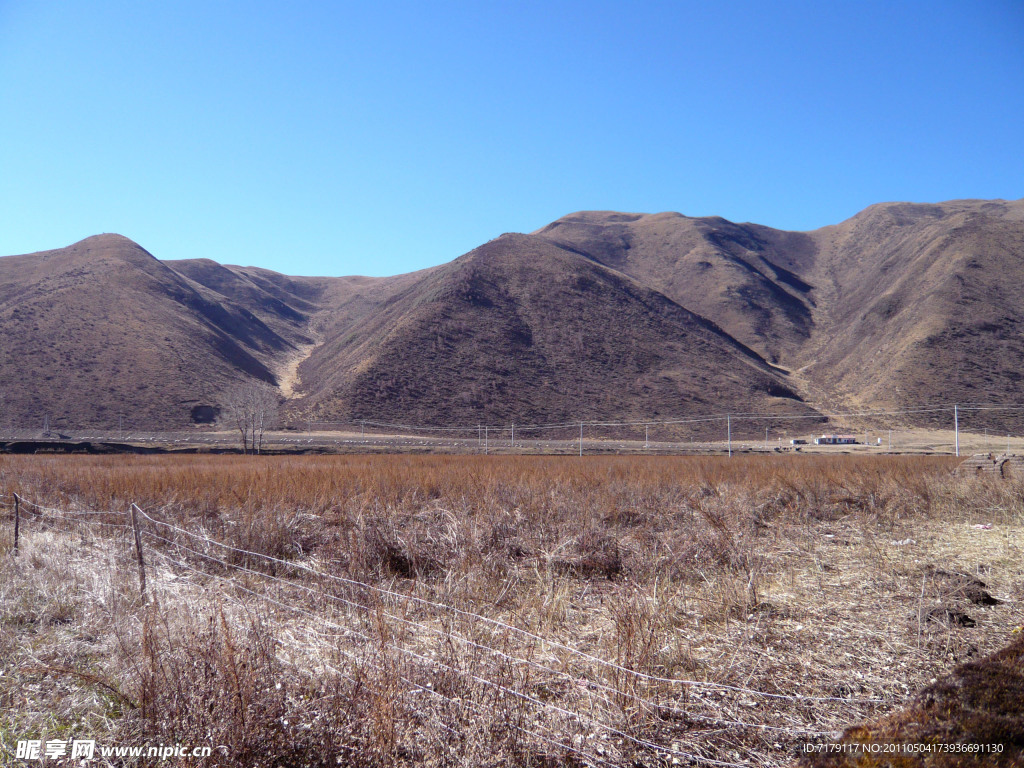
point(496, 610)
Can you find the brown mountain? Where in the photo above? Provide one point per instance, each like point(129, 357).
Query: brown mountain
point(901, 305)
point(522, 329)
point(599, 315)
point(920, 303)
point(102, 329)
point(743, 277)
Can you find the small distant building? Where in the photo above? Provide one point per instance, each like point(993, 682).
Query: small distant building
point(798, 441)
point(835, 440)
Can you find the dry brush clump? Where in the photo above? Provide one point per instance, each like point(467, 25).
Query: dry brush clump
point(527, 610)
point(973, 716)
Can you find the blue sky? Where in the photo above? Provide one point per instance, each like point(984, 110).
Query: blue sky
point(356, 138)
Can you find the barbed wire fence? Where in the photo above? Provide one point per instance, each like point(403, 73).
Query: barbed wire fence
point(603, 697)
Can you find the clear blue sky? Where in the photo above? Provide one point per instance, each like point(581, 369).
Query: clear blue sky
point(377, 138)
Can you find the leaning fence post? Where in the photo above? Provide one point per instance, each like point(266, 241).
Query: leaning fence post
point(138, 552)
point(17, 520)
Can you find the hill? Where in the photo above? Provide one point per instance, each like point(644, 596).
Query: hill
point(102, 329)
point(743, 278)
point(920, 303)
point(900, 305)
point(523, 329)
point(596, 316)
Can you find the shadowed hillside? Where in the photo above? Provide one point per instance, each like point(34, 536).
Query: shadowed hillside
point(597, 316)
point(102, 329)
point(743, 278)
point(921, 302)
point(521, 329)
point(900, 305)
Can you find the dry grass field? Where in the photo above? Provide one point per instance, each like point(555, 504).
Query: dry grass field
point(493, 610)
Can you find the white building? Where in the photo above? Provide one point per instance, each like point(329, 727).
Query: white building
point(835, 440)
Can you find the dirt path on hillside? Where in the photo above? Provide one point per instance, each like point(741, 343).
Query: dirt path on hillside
point(287, 372)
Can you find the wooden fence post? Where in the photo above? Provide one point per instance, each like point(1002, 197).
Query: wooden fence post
point(17, 520)
point(138, 552)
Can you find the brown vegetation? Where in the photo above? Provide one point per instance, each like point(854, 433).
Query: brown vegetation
point(494, 610)
point(521, 329)
point(972, 717)
point(102, 331)
point(597, 316)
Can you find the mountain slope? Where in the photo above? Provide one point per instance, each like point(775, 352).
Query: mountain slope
point(921, 303)
point(597, 316)
point(900, 305)
point(101, 329)
point(742, 277)
point(523, 329)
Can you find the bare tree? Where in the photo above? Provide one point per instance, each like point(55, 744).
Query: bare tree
point(251, 407)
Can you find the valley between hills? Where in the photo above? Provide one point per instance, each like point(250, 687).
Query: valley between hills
point(596, 316)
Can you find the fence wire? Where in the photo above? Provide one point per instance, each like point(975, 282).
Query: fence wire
point(166, 541)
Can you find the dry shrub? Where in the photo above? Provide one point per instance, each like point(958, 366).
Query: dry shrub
point(981, 703)
point(594, 553)
point(270, 531)
point(619, 491)
point(216, 680)
point(638, 630)
point(663, 565)
point(428, 543)
point(507, 538)
point(385, 554)
point(714, 532)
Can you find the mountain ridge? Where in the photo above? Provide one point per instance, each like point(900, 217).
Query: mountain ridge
point(599, 314)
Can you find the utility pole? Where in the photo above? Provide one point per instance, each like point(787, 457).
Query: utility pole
point(485, 440)
point(766, 438)
point(581, 438)
point(513, 434)
point(956, 427)
point(728, 432)
point(890, 441)
point(647, 443)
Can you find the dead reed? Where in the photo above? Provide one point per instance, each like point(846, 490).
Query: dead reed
point(578, 590)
